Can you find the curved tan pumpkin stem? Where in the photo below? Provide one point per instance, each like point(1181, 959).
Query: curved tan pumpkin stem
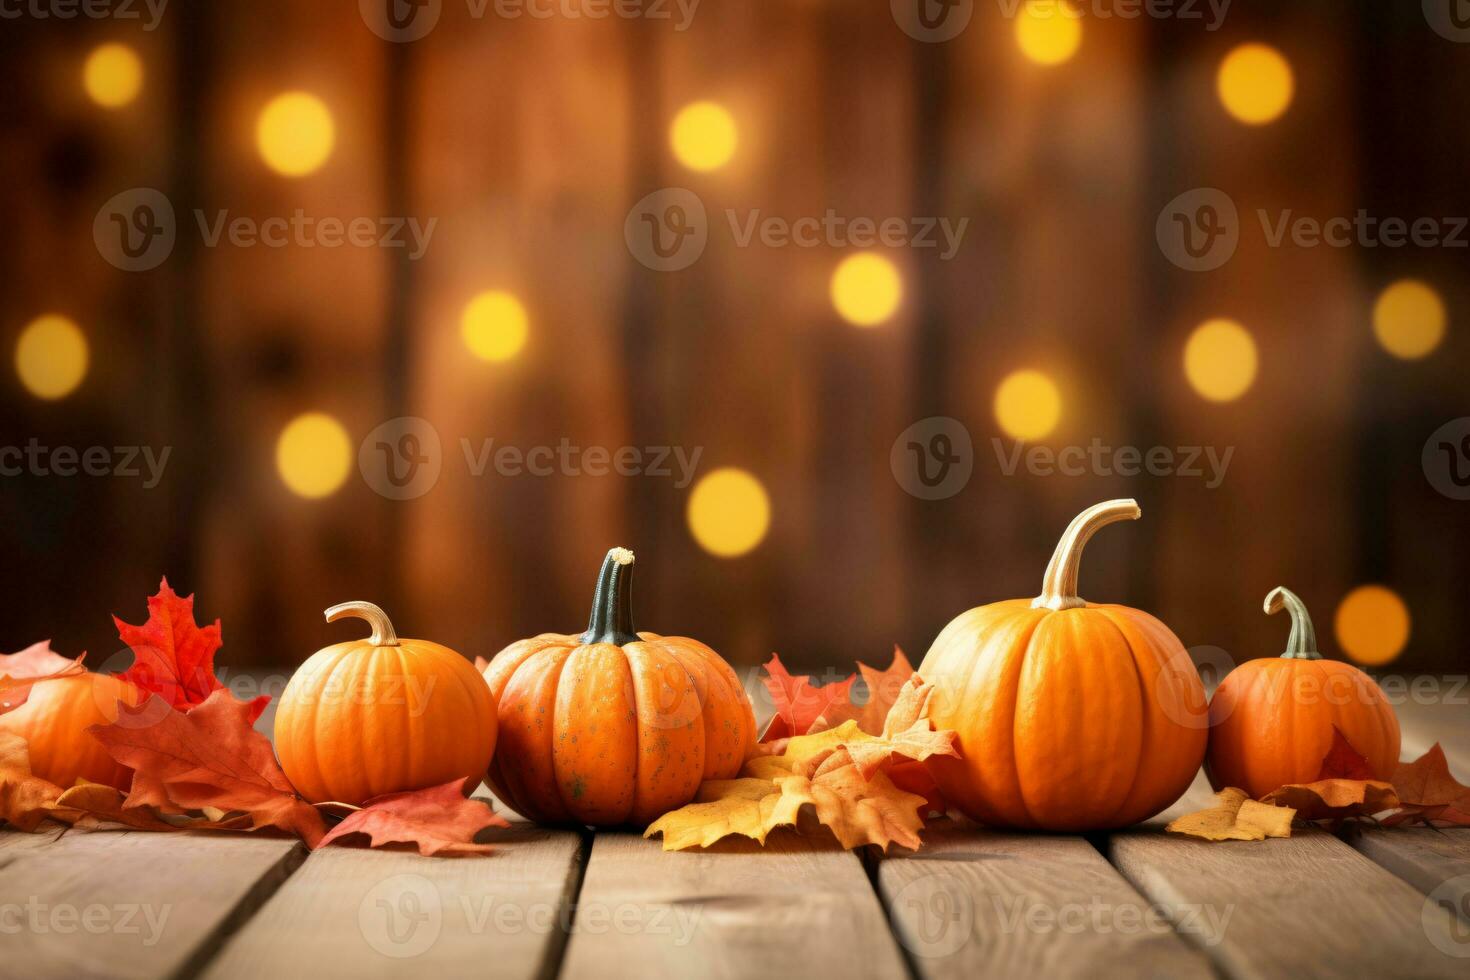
point(1059, 588)
point(1302, 643)
point(383, 634)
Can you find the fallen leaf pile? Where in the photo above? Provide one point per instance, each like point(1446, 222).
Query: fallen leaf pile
point(1422, 791)
point(857, 766)
point(198, 763)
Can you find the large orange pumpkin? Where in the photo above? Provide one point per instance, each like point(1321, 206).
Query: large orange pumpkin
point(613, 727)
point(1271, 719)
point(1071, 716)
point(382, 715)
point(54, 722)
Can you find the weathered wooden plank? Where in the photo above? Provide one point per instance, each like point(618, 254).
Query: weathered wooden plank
point(1308, 905)
point(1433, 861)
point(121, 904)
point(973, 903)
point(351, 912)
point(797, 907)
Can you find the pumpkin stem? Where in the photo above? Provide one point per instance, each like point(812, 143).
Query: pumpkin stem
point(1302, 643)
point(383, 634)
point(612, 605)
point(1059, 588)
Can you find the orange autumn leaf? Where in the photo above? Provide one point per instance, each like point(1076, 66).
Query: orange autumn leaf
point(173, 656)
point(747, 807)
point(19, 672)
point(800, 704)
point(906, 732)
point(439, 820)
point(89, 805)
point(1429, 793)
point(24, 797)
point(1343, 787)
point(862, 810)
point(212, 758)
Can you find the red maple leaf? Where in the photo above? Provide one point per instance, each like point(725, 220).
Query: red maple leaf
point(800, 704)
point(209, 758)
point(172, 656)
point(438, 820)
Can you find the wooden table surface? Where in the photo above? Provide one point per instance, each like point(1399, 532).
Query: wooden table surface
point(556, 903)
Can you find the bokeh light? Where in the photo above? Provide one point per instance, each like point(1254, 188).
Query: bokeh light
point(1255, 84)
point(113, 75)
point(51, 357)
point(1028, 405)
point(1409, 319)
point(1220, 360)
point(1372, 625)
point(704, 136)
point(494, 326)
point(729, 512)
point(1048, 32)
point(866, 289)
point(314, 455)
point(295, 133)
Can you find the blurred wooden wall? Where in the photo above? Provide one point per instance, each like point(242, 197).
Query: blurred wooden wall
point(529, 141)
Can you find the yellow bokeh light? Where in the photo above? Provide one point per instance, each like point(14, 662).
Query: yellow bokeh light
point(314, 455)
point(494, 326)
point(704, 136)
point(1409, 319)
point(729, 512)
point(1372, 625)
point(1220, 360)
point(1028, 405)
point(295, 133)
point(51, 357)
point(866, 289)
point(1049, 32)
point(1255, 84)
point(113, 75)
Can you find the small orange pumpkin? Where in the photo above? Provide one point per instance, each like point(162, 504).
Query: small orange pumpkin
point(614, 727)
point(54, 722)
point(382, 715)
point(1271, 719)
point(1071, 716)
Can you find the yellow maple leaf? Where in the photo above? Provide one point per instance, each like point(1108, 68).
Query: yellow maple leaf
point(861, 810)
point(749, 807)
point(24, 796)
point(1235, 817)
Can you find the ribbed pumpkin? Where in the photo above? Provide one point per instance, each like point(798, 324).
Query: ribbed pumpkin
point(1271, 719)
point(382, 715)
point(1071, 716)
point(614, 727)
point(54, 722)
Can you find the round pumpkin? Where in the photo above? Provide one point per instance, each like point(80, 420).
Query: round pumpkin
point(1271, 719)
point(614, 727)
point(54, 722)
point(1070, 716)
point(382, 715)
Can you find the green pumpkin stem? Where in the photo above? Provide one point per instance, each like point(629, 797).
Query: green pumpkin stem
point(612, 605)
point(1059, 588)
point(1302, 643)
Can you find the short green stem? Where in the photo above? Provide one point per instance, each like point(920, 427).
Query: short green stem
point(612, 605)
